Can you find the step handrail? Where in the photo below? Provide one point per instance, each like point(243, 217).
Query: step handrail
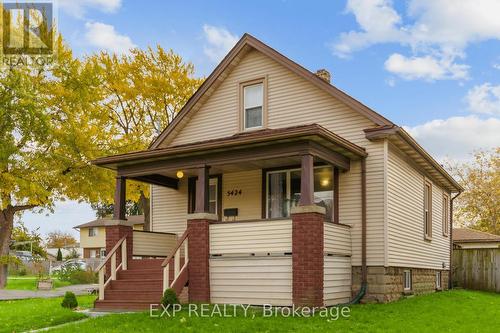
point(111, 256)
point(176, 258)
point(176, 248)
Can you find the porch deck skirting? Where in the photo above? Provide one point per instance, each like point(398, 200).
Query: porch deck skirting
point(251, 263)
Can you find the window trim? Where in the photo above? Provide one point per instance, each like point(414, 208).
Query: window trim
point(241, 102)
point(410, 287)
point(446, 214)
point(427, 217)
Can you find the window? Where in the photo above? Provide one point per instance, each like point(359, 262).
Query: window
point(283, 191)
point(103, 253)
point(92, 232)
point(428, 210)
point(438, 280)
point(253, 106)
point(212, 196)
point(407, 280)
point(446, 214)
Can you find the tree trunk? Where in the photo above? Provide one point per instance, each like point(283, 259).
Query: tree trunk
point(145, 209)
point(6, 225)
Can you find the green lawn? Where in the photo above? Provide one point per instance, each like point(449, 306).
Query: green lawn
point(28, 314)
point(29, 283)
point(455, 311)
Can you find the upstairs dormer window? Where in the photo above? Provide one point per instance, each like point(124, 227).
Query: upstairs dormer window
point(253, 105)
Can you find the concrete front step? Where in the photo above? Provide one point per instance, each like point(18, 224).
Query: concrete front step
point(133, 295)
point(137, 284)
point(108, 305)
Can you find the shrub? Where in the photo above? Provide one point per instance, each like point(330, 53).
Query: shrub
point(69, 301)
point(80, 277)
point(169, 297)
point(22, 271)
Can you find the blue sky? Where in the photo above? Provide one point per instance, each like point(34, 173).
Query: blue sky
point(430, 65)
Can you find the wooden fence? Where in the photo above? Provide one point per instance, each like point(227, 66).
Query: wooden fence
point(477, 269)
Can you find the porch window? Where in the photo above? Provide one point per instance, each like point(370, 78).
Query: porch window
point(253, 106)
point(428, 210)
point(212, 196)
point(283, 191)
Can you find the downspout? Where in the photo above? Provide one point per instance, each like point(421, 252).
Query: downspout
point(362, 290)
point(450, 273)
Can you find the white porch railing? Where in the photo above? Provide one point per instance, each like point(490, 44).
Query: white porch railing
point(181, 249)
point(114, 269)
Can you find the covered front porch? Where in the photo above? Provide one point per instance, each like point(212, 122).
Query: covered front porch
point(281, 243)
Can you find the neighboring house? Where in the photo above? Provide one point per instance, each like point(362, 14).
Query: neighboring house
point(93, 235)
point(283, 190)
point(464, 238)
point(65, 251)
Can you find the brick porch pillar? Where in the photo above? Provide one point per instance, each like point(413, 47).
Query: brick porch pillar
point(307, 241)
point(199, 251)
point(114, 232)
point(198, 241)
point(307, 255)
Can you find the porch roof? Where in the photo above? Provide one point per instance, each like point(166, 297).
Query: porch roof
point(260, 144)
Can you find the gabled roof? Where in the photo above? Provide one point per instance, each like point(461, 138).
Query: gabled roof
point(246, 43)
point(465, 235)
point(131, 221)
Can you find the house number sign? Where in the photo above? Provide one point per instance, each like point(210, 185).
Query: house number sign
point(233, 192)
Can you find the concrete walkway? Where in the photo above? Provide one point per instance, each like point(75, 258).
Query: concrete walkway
point(78, 289)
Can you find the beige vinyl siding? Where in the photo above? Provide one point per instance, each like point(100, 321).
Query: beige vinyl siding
point(250, 201)
point(153, 244)
point(169, 208)
point(337, 280)
point(337, 239)
point(294, 101)
point(97, 241)
point(406, 244)
point(251, 280)
point(251, 237)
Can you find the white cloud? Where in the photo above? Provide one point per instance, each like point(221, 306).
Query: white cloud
point(104, 36)
point(219, 42)
point(496, 66)
point(437, 28)
point(457, 137)
point(78, 8)
point(484, 99)
point(426, 68)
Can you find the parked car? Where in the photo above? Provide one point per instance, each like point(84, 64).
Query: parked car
point(78, 263)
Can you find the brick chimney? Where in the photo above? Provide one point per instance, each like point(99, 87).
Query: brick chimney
point(323, 74)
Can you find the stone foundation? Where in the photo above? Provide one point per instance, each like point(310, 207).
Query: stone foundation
point(385, 284)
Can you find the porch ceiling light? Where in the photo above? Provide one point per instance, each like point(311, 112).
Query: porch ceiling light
point(180, 174)
point(325, 182)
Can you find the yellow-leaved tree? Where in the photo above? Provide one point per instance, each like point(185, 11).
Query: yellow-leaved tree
point(55, 119)
point(478, 207)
